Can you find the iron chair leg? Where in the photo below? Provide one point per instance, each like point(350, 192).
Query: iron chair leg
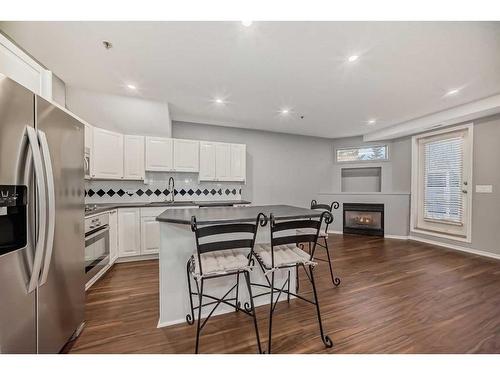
point(270, 332)
point(199, 317)
point(190, 317)
point(236, 303)
point(252, 309)
point(297, 277)
point(335, 280)
point(326, 340)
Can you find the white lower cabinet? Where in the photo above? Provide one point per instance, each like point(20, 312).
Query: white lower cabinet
point(150, 235)
point(113, 236)
point(129, 232)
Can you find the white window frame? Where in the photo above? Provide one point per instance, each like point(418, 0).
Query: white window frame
point(363, 161)
point(468, 167)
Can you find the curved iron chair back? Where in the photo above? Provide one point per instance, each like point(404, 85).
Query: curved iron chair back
point(226, 229)
point(322, 206)
point(312, 223)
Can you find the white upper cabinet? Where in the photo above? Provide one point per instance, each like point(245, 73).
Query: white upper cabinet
point(186, 155)
point(88, 136)
point(207, 161)
point(223, 162)
point(107, 158)
point(238, 162)
point(159, 154)
point(133, 157)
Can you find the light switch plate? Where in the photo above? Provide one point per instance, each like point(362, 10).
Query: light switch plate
point(484, 188)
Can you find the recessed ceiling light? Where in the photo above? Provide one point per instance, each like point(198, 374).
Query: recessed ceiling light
point(219, 101)
point(372, 122)
point(452, 92)
point(131, 87)
point(285, 111)
point(353, 58)
point(246, 23)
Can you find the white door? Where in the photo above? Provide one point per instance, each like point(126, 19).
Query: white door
point(108, 154)
point(150, 235)
point(186, 155)
point(238, 162)
point(113, 236)
point(207, 161)
point(159, 154)
point(129, 232)
point(133, 146)
point(223, 162)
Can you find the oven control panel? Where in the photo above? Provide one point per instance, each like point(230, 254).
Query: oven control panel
point(96, 222)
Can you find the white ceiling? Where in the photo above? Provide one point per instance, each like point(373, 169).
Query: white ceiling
point(403, 72)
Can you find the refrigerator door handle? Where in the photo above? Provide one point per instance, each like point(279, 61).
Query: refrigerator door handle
point(42, 207)
point(51, 206)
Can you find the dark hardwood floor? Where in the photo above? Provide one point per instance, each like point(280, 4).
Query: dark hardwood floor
point(396, 296)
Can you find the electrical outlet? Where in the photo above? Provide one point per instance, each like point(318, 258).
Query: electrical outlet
point(484, 188)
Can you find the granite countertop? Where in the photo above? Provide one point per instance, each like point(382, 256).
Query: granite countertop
point(111, 206)
point(218, 215)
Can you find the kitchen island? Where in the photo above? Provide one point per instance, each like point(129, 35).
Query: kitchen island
point(177, 244)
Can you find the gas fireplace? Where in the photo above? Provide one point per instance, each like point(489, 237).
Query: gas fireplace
point(364, 218)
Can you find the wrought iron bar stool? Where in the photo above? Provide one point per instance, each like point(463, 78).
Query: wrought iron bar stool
point(222, 250)
point(283, 253)
point(323, 235)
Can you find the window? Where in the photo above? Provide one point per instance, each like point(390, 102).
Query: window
point(441, 201)
point(367, 153)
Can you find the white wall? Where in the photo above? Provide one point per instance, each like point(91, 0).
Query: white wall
point(125, 114)
point(281, 168)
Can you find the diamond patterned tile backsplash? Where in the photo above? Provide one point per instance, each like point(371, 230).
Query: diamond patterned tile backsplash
point(155, 188)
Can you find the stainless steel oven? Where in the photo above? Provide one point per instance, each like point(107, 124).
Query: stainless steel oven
point(96, 244)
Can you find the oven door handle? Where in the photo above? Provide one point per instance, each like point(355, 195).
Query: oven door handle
point(95, 234)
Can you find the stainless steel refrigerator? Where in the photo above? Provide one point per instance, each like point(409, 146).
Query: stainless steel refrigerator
point(42, 279)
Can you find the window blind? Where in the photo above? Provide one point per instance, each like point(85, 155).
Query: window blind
point(443, 176)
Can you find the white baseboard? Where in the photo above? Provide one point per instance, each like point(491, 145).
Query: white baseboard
point(437, 243)
point(395, 237)
point(335, 232)
point(456, 247)
point(392, 236)
point(136, 258)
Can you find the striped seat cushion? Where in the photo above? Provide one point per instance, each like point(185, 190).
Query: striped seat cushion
point(284, 255)
point(220, 262)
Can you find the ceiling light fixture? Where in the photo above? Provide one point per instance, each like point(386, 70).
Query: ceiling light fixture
point(285, 111)
point(452, 92)
point(353, 58)
point(246, 23)
point(219, 101)
point(372, 122)
point(131, 87)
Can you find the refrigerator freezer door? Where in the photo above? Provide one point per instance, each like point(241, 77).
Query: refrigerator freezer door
point(61, 298)
point(17, 306)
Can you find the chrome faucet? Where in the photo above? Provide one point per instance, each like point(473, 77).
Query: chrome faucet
point(171, 188)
